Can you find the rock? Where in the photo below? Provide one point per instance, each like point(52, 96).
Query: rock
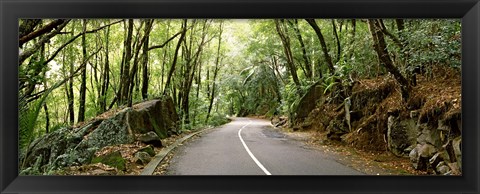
point(113, 159)
point(457, 150)
point(142, 158)
point(308, 102)
point(420, 156)
point(76, 146)
point(113, 131)
point(53, 145)
point(456, 170)
point(413, 155)
point(426, 150)
point(400, 135)
point(148, 149)
point(150, 138)
point(441, 168)
point(155, 115)
point(429, 135)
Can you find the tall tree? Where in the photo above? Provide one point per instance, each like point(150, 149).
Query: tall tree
point(134, 70)
point(125, 67)
point(380, 47)
point(70, 94)
point(175, 57)
point(106, 73)
point(282, 32)
point(83, 84)
point(215, 72)
point(145, 73)
point(339, 47)
point(308, 68)
point(317, 30)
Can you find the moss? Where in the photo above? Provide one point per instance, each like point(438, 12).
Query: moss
point(162, 133)
point(148, 149)
point(114, 159)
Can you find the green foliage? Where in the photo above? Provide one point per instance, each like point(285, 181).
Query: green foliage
point(218, 119)
point(28, 115)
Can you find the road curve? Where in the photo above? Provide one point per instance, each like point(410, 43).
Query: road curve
point(249, 146)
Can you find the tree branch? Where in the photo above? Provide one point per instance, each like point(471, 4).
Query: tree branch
point(74, 38)
point(74, 74)
point(165, 43)
point(29, 52)
point(45, 29)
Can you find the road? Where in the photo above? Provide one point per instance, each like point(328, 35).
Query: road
point(249, 146)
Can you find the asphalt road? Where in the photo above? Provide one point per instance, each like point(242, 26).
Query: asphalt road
point(248, 146)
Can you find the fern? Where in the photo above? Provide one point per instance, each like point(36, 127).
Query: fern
point(28, 116)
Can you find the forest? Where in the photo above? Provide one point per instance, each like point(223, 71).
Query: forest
point(302, 74)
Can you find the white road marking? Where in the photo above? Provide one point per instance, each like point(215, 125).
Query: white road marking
point(250, 153)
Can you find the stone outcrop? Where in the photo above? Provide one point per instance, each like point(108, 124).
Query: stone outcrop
point(401, 135)
point(76, 146)
point(307, 103)
point(438, 146)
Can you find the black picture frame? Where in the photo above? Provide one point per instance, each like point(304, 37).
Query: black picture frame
point(12, 10)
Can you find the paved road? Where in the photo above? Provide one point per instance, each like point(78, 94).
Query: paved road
point(248, 146)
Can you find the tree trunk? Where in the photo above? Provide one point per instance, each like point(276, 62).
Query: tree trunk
point(83, 84)
point(288, 54)
point(339, 48)
point(215, 72)
point(380, 47)
point(27, 26)
point(106, 74)
point(44, 39)
point(131, 77)
point(47, 118)
point(328, 59)
point(308, 67)
point(145, 72)
point(175, 56)
point(71, 96)
point(124, 86)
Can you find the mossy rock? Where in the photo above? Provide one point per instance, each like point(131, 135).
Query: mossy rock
point(148, 149)
point(113, 159)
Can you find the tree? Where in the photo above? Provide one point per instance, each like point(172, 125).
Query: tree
point(317, 30)
point(382, 52)
point(308, 68)
point(281, 30)
point(83, 85)
point(215, 71)
point(175, 56)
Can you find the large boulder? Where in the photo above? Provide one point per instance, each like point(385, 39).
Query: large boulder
point(308, 102)
point(155, 115)
point(401, 135)
point(77, 146)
